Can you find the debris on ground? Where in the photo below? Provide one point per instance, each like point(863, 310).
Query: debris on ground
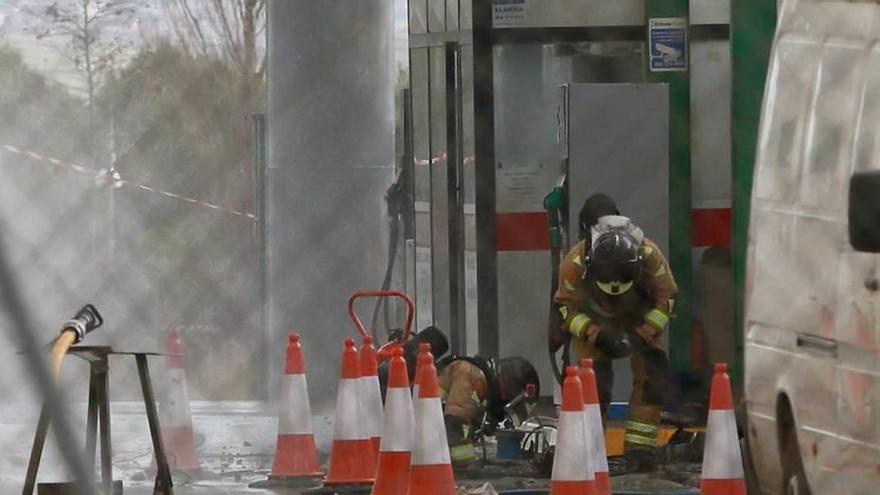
point(485, 489)
point(644, 482)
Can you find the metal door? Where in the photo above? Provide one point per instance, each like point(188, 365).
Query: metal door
point(439, 201)
point(615, 138)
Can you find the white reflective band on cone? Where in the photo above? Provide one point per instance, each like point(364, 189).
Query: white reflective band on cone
point(348, 424)
point(572, 461)
point(596, 438)
point(722, 459)
point(295, 415)
point(176, 411)
point(399, 422)
point(371, 401)
point(430, 446)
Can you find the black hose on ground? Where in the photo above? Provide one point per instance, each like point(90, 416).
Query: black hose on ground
point(556, 204)
point(395, 200)
point(554, 318)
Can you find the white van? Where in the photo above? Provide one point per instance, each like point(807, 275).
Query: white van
point(812, 353)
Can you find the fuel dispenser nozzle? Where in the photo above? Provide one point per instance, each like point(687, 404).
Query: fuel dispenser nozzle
point(556, 203)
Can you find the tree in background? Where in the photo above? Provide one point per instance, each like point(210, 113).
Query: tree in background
point(233, 32)
point(38, 114)
point(93, 29)
point(230, 30)
point(45, 210)
point(179, 123)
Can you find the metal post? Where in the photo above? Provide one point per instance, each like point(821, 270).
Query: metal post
point(408, 166)
point(680, 228)
point(455, 195)
point(163, 484)
point(484, 178)
point(104, 416)
point(752, 26)
point(260, 234)
point(92, 418)
point(30, 479)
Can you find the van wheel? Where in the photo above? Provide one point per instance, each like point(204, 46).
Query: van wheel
point(794, 479)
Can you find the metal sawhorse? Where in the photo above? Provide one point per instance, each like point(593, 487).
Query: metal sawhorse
point(99, 408)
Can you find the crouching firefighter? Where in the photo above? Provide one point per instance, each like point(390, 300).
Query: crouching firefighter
point(616, 297)
point(480, 393)
point(477, 393)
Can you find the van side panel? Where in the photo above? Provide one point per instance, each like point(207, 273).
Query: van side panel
point(812, 329)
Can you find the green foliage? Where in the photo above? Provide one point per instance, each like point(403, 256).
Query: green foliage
point(173, 121)
point(38, 114)
point(179, 124)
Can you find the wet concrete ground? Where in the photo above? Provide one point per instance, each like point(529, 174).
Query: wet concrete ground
point(630, 483)
point(235, 442)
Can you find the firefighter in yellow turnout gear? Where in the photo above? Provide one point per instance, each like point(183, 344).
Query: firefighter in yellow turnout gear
point(475, 392)
point(616, 297)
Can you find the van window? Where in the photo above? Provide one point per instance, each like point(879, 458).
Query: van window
point(867, 156)
point(834, 115)
point(789, 87)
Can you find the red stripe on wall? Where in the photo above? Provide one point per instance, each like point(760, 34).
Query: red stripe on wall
point(522, 231)
point(712, 227)
point(529, 231)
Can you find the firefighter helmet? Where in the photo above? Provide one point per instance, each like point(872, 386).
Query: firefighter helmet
point(615, 262)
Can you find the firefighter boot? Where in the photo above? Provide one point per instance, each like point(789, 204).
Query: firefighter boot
point(642, 459)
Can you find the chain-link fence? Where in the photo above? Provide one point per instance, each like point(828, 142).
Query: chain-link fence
point(131, 177)
point(150, 259)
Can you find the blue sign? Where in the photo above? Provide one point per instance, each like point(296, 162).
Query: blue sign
point(667, 39)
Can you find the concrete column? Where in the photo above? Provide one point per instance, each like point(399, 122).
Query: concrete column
point(331, 148)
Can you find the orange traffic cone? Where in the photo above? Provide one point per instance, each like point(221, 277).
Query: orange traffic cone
point(595, 432)
point(351, 457)
point(395, 453)
point(431, 467)
point(572, 464)
point(424, 348)
point(371, 394)
point(175, 414)
point(722, 461)
point(295, 453)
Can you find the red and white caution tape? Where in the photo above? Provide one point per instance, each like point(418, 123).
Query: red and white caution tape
point(105, 176)
point(441, 159)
